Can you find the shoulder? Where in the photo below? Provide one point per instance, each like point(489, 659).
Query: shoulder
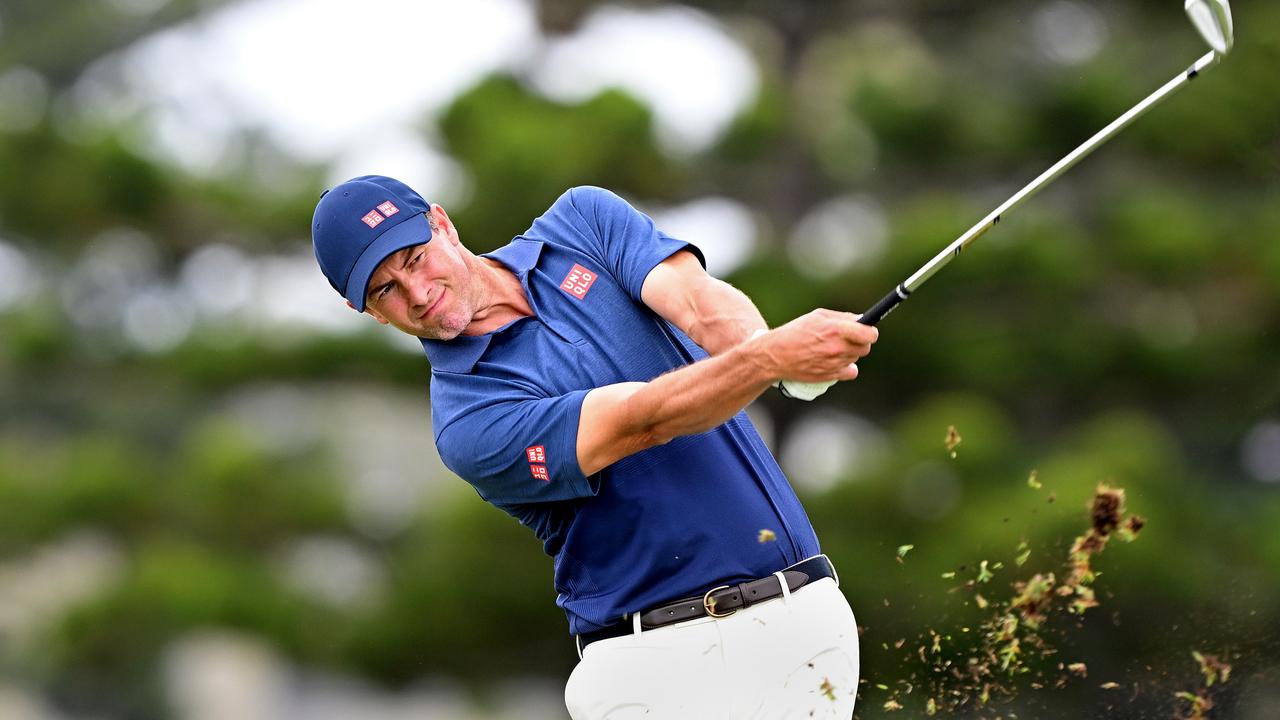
point(594, 203)
point(585, 207)
point(584, 218)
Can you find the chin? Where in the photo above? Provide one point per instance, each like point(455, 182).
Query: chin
point(443, 334)
point(448, 329)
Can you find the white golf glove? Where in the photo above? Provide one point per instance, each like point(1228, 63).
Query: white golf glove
point(796, 389)
point(806, 391)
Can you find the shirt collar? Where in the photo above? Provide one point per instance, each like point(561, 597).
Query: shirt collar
point(519, 255)
point(461, 354)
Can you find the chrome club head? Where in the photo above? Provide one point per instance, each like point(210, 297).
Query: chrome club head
point(1213, 19)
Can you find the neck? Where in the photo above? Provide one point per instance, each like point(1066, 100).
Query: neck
point(500, 297)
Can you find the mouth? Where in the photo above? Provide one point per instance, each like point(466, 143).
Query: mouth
point(432, 307)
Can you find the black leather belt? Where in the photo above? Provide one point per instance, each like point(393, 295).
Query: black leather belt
point(721, 601)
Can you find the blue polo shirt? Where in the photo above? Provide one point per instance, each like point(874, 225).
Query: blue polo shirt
point(666, 523)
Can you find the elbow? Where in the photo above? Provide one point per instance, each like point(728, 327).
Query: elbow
point(643, 431)
point(645, 435)
point(618, 448)
point(653, 437)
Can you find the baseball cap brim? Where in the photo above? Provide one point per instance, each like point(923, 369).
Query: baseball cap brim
point(412, 231)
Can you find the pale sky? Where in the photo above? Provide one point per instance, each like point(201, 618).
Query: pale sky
point(351, 83)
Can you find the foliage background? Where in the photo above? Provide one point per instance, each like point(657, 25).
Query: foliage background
point(206, 515)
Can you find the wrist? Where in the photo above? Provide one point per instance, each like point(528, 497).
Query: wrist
point(759, 356)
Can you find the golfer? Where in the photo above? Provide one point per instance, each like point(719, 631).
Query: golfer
point(589, 379)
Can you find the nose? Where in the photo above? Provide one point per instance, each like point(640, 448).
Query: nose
point(419, 291)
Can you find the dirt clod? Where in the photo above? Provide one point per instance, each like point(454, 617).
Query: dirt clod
point(1107, 507)
point(953, 440)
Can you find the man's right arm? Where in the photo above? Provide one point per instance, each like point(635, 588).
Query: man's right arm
point(623, 419)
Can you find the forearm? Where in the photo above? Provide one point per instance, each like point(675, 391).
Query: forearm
point(701, 396)
point(623, 419)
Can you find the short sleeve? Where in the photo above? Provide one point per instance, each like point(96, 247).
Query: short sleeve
point(630, 242)
point(512, 446)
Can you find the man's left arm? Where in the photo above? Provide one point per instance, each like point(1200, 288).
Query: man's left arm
point(714, 314)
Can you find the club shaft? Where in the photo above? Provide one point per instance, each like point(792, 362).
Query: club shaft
point(900, 293)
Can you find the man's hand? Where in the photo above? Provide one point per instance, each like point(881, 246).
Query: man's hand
point(819, 347)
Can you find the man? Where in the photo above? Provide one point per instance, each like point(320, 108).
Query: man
point(589, 379)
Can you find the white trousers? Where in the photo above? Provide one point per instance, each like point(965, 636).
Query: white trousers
point(794, 656)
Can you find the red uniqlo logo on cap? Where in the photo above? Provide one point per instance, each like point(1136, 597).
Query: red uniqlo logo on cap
point(388, 209)
point(540, 472)
point(537, 454)
point(372, 219)
point(578, 282)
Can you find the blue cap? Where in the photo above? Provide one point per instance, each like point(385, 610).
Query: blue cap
point(359, 223)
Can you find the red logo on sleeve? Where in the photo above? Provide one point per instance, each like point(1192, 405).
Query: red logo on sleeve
point(578, 282)
point(537, 456)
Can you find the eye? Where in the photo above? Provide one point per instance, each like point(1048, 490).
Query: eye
point(415, 259)
point(382, 291)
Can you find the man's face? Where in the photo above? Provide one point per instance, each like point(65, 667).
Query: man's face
point(424, 290)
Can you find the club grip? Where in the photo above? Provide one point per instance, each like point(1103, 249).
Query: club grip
point(886, 304)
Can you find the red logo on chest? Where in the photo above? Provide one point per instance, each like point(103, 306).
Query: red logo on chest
point(578, 282)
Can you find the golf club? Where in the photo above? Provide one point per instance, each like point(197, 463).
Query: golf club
point(1212, 19)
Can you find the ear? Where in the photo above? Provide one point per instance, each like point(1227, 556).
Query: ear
point(444, 223)
point(370, 312)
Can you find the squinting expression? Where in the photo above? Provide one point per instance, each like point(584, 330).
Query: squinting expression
point(423, 290)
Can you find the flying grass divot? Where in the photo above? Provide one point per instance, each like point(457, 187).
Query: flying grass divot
point(953, 440)
point(1108, 518)
point(976, 668)
point(1199, 703)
